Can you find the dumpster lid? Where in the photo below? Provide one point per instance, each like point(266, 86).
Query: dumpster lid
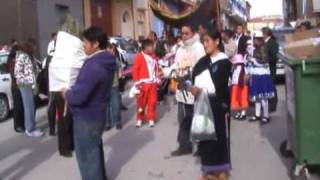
point(289, 60)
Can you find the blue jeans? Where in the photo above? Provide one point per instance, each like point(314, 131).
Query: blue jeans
point(89, 148)
point(29, 108)
point(114, 108)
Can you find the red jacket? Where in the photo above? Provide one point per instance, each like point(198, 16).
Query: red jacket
point(140, 69)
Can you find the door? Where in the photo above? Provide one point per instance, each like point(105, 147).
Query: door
point(101, 15)
point(5, 78)
point(126, 24)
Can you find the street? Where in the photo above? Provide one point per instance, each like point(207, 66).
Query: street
point(143, 154)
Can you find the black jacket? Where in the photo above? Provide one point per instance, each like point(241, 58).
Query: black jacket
point(242, 46)
point(272, 49)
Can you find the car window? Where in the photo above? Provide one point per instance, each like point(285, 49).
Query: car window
point(126, 45)
point(4, 69)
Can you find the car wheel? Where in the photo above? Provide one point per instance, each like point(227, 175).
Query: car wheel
point(4, 108)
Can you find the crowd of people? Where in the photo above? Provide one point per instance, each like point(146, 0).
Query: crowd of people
point(239, 70)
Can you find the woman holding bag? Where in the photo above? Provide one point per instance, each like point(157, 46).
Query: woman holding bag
point(215, 154)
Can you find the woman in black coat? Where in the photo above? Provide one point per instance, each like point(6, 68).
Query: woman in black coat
point(215, 154)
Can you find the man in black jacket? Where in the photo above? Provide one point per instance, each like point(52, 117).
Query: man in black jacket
point(241, 40)
point(272, 49)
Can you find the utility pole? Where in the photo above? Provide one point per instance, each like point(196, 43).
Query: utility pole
point(218, 15)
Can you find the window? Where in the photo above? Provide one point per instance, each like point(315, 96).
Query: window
point(61, 12)
point(4, 68)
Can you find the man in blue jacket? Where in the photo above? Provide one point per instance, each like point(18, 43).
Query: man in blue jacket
point(88, 100)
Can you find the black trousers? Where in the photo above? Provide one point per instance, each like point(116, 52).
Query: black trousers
point(18, 113)
point(56, 110)
point(273, 103)
point(185, 115)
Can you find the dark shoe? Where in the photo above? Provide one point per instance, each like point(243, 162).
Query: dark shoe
point(66, 154)
point(254, 119)
point(19, 130)
point(197, 154)
point(108, 128)
point(123, 108)
point(181, 152)
point(237, 116)
point(52, 132)
point(242, 117)
point(119, 127)
point(265, 121)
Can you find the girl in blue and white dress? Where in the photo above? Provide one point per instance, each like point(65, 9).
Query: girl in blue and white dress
point(261, 84)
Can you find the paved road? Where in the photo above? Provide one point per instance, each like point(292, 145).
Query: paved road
point(143, 154)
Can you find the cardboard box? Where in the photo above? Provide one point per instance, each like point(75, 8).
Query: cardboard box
point(303, 44)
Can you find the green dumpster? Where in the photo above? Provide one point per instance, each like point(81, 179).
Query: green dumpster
point(303, 104)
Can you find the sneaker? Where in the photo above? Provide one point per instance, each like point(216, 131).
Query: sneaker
point(151, 124)
point(139, 124)
point(265, 121)
point(254, 119)
point(181, 152)
point(35, 133)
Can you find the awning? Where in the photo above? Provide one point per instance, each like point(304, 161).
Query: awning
point(178, 12)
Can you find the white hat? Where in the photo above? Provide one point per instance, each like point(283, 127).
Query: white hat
point(258, 34)
point(113, 41)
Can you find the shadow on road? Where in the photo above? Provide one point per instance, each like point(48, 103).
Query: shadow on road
point(39, 150)
point(125, 144)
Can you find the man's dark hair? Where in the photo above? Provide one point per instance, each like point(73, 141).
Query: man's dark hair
point(96, 34)
point(307, 25)
point(267, 31)
point(229, 33)
point(145, 43)
point(191, 27)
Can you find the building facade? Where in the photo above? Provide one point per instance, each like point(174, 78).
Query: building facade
point(234, 12)
point(127, 18)
point(296, 11)
point(36, 19)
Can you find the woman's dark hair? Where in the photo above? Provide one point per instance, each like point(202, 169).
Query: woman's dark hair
point(229, 33)
point(145, 43)
point(216, 35)
point(267, 31)
point(27, 47)
point(13, 52)
point(96, 34)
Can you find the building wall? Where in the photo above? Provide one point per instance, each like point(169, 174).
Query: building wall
point(18, 20)
point(122, 18)
point(50, 14)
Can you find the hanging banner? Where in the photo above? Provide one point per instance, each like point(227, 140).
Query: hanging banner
point(177, 12)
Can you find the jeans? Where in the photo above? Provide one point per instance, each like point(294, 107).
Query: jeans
point(114, 108)
point(185, 115)
point(29, 108)
point(89, 148)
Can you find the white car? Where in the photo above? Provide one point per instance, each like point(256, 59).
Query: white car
point(6, 99)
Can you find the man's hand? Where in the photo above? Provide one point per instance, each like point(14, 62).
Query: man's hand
point(196, 91)
point(63, 92)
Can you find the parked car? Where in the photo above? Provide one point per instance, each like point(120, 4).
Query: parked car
point(6, 99)
point(126, 48)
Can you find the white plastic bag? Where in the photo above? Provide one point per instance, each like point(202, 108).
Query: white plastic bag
point(203, 127)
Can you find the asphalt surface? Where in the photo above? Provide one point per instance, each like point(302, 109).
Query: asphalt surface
point(143, 154)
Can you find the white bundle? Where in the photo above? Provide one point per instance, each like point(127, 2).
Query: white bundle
point(67, 60)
